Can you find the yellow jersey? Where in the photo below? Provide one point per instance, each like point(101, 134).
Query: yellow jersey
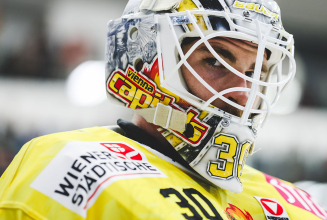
point(96, 173)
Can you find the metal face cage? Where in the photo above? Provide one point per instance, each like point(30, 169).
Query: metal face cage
point(170, 33)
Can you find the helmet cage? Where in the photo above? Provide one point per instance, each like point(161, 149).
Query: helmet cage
point(257, 32)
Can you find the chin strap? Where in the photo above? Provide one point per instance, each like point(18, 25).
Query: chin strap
point(164, 116)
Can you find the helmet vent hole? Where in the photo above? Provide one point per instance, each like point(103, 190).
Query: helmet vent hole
point(133, 33)
point(138, 64)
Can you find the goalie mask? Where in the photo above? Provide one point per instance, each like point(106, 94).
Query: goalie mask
point(147, 62)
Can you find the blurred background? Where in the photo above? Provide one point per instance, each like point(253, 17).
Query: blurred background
point(41, 90)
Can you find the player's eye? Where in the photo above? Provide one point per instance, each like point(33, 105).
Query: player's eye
point(249, 73)
point(212, 62)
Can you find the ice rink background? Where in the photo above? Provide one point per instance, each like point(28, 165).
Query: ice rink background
point(42, 42)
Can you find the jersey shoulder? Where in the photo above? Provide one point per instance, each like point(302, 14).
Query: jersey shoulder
point(51, 144)
point(56, 151)
point(297, 203)
point(88, 173)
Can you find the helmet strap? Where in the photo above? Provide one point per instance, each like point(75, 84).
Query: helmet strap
point(165, 117)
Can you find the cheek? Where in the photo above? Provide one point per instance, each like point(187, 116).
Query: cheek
point(194, 86)
point(189, 78)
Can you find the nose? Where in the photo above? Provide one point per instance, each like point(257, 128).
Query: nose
point(240, 97)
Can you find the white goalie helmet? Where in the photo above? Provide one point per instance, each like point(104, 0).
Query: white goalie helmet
point(145, 63)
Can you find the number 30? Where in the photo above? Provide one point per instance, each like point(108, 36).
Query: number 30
point(230, 157)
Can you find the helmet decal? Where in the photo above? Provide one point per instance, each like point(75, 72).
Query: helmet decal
point(136, 90)
point(258, 8)
point(139, 90)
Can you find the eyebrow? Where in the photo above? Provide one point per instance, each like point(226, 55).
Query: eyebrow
point(263, 69)
point(228, 55)
point(221, 51)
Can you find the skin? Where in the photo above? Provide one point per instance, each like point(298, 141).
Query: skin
point(240, 54)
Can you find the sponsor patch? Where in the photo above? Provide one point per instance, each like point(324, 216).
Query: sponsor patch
point(273, 209)
point(297, 197)
point(79, 173)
